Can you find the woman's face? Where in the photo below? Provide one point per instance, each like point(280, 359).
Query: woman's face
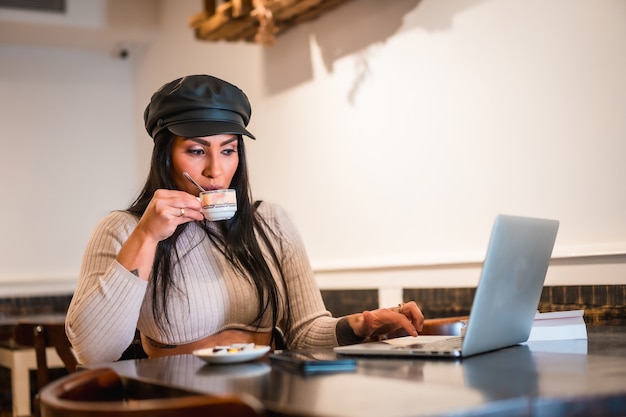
point(210, 160)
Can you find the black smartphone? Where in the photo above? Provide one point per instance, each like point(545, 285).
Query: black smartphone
point(312, 361)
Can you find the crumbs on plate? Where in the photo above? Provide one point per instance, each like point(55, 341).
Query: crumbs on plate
point(234, 348)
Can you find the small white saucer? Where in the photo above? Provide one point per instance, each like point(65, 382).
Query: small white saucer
point(223, 356)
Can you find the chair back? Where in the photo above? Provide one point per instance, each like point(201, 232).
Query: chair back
point(445, 326)
point(41, 335)
point(102, 392)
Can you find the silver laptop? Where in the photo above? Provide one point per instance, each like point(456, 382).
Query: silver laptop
point(506, 299)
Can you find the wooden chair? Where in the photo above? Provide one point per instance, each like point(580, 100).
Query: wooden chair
point(445, 326)
point(41, 335)
point(102, 392)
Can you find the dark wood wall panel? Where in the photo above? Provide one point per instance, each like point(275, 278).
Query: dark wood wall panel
point(602, 303)
point(23, 305)
point(441, 302)
point(344, 302)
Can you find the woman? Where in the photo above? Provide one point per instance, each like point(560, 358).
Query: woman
point(186, 283)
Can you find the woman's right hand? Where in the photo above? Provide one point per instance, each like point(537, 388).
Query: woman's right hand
point(166, 211)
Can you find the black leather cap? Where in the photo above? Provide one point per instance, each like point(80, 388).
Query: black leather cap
point(198, 105)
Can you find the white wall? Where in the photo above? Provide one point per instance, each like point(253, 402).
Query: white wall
point(393, 132)
point(67, 158)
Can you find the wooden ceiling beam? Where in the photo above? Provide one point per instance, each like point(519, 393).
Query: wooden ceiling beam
point(237, 20)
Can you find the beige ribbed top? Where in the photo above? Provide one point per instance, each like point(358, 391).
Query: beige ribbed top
point(110, 302)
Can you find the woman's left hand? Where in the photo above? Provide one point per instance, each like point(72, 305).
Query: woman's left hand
point(407, 318)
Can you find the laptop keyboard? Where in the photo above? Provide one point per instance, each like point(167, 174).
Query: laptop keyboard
point(444, 344)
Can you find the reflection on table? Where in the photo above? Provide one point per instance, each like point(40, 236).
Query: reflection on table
point(539, 378)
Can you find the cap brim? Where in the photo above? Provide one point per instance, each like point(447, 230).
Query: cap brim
point(208, 128)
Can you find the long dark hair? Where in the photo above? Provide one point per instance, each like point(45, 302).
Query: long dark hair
point(236, 238)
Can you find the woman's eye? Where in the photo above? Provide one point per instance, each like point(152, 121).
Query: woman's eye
point(195, 151)
point(229, 151)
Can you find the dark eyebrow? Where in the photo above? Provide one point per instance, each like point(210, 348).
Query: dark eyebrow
point(205, 143)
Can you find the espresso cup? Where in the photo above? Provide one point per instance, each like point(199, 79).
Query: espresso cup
point(218, 204)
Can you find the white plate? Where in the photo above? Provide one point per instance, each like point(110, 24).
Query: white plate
point(246, 355)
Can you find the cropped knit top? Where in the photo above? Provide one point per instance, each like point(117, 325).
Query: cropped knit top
point(110, 302)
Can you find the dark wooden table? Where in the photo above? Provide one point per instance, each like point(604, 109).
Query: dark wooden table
point(563, 378)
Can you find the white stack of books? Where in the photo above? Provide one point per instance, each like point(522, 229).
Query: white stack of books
point(559, 325)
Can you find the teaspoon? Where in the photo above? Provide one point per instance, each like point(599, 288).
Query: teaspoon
point(193, 182)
